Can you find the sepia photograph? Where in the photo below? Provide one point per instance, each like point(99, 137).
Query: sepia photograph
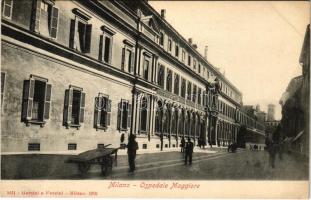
point(155, 95)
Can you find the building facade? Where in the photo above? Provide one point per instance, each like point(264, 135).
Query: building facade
point(80, 74)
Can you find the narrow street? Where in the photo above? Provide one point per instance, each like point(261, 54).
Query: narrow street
point(243, 165)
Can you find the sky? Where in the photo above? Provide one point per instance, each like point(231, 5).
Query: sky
point(255, 44)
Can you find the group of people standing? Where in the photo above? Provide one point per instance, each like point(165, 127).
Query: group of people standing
point(132, 147)
point(187, 149)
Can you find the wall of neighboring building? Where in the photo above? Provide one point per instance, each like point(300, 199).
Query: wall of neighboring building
point(19, 64)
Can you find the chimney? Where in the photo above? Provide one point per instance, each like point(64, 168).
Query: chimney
point(163, 12)
point(205, 52)
point(190, 41)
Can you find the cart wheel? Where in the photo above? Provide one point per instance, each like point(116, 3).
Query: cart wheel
point(107, 165)
point(84, 167)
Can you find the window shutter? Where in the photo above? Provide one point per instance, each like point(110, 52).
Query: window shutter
point(108, 112)
point(35, 18)
point(123, 59)
point(132, 61)
point(101, 42)
point(97, 113)
point(72, 33)
point(28, 99)
point(119, 116)
point(47, 103)
point(129, 115)
point(82, 105)
point(68, 106)
point(88, 36)
point(54, 22)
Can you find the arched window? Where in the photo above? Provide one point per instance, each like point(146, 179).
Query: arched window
point(143, 114)
point(161, 76)
point(188, 124)
point(166, 120)
point(198, 126)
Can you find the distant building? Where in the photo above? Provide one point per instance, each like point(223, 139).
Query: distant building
point(271, 112)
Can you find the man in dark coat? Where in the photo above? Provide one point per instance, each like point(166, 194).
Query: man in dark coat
point(189, 151)
point(132, 147)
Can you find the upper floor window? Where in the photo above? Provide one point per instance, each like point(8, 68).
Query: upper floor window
point(36, 100)
point(74, 106)
point(105, 45)
point(189, 91)
point(189, 60)
point(183, 88)
point(194, 64)
point(45, 18)
point(161, 39)
point(161, 76)
point(146, 66)
point(199, 96)
point(128, 56)
point(80, 32)
point(199, 68)
point(169, 45)
point(194, 95)
point(124, 115)
point(7, 7)
point(183, 55)
point(176, 50)
point(176, 84)
point(169, 80)
point(102, 111)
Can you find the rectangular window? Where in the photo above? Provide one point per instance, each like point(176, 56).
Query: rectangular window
point(128, 58)
point(102, 111)
point(33, 146)
point(2, 86)
point(169, 45)
point(146, 68)
point(169, 80)
point(176, 84)
point(199, 68)
point(36, 100)
point(161, 39)
point(183, 88)
point(189, 60)
point(7, 6)
point(176, 50)
point(194, 95)
point(199, 96)
point(194, 64)
point(45, 18)
point(80, 35)
point(183, 56)
point(189, 91)
point(124, 115)
point(144, 146)
point(74, 106)
point(72, 146)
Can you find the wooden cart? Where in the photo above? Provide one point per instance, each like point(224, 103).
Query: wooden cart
point(101, 156)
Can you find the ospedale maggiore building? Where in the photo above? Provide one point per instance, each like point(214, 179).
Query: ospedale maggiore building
point(80, 74)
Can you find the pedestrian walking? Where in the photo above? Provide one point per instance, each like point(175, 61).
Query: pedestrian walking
point(189, 152)
point(132, 147)
point(182, 144)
